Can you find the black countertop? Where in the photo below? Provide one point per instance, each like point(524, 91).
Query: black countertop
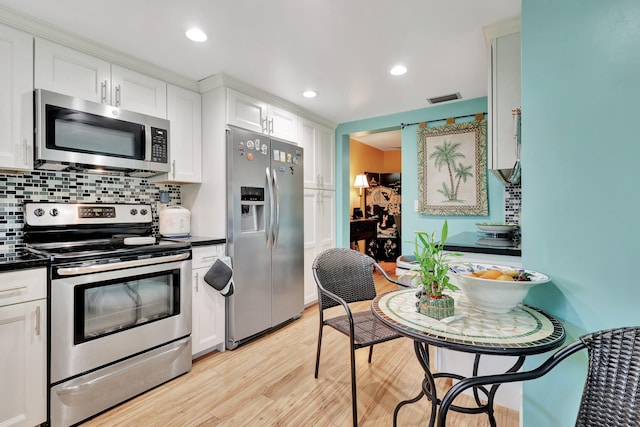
point(481, 243)
point(20, 259)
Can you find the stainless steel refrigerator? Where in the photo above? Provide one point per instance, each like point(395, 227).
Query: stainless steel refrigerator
point(265, 239)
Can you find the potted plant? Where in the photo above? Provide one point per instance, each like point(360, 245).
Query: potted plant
point(432, 278)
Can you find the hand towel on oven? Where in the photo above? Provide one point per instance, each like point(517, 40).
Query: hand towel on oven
point(220, 277)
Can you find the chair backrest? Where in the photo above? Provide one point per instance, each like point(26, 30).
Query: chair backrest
point(610, 396)
point(346, 273)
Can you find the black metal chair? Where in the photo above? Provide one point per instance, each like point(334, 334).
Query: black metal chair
point(611, 391)
point(345, 276)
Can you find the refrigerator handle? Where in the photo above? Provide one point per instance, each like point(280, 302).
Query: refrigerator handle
point(270, 192)
point(276, 227)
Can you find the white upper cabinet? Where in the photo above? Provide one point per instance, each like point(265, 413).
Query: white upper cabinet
point(255, 115)
point(184, 113)
point(246, 112)
point(16, 100)
point(282, 124)
point(504, 91)
point(64, 70)
point(319, 155)
point(138, 92)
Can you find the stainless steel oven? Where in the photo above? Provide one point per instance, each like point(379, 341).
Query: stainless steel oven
point(120, 312)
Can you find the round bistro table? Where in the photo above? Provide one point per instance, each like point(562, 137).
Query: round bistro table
point(521, 332)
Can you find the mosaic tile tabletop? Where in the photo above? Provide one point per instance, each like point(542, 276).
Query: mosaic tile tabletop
point(523, 330)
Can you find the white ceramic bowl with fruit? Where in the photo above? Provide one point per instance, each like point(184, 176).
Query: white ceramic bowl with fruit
point(495, 288)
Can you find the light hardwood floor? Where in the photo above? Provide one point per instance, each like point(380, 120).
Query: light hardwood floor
point(270, 382)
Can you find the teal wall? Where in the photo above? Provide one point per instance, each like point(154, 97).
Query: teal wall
point(580, 191)
point(411, 221)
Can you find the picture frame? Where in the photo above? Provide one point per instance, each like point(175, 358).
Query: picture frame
point(452, 169)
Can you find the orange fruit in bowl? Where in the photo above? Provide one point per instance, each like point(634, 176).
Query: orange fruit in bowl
point(491, 274)
point(505, 277)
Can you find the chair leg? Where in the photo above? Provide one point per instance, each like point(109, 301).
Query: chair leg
point(319, 346)
point(370, 352)
point(354, 401)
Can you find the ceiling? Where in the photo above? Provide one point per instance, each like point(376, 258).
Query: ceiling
point(342, 49)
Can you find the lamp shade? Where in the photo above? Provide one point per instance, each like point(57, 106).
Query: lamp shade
point(361, 181)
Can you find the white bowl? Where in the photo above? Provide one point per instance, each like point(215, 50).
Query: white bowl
point(495, 296)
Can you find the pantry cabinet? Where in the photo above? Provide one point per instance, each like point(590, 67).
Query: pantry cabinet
point(208, 306)
point(319, 155)
point(64, 70)
point(23, 314)
point(319, 233)
point(504, 49)
point(258, 116)
point(16, 100)
point(185, 115)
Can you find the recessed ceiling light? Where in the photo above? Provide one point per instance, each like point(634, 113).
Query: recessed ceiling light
point(309, 93)
point(196, 34)
point(398, 70)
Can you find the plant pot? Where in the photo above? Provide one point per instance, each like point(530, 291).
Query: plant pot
point(437, 308)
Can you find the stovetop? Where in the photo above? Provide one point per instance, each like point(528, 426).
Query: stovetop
point(81, 231)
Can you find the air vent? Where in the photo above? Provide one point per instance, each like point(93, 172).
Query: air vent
point(444, 98)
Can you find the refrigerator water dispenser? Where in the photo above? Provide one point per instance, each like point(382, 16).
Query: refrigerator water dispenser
point(251, 209)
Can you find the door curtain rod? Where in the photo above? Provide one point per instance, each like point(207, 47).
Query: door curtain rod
point(450, 120)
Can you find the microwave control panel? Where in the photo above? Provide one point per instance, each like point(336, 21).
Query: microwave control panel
point(159, 145)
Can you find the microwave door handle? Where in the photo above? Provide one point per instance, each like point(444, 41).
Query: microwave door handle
point(270, 193)
point(103, 92)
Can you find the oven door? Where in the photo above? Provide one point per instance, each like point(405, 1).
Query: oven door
point(99, 318)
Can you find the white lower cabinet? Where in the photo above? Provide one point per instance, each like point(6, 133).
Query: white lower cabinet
point(319, 233)
point(208, 306)
point(23, 355)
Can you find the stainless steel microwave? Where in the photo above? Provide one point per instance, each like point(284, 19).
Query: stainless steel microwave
point(72, 133)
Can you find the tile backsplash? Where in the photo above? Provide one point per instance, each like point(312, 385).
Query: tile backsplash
point(512, 203)
point(65, 187)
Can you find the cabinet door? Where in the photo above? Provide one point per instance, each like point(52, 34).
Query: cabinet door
point(63, 70)
point(310, 244)
point(319, 155)
point(327, 158)
point(246, 112)
point(283, 124)
point(327, 220)
point(184, 113)
point(310, 144)
point(319, 233)
point(208, 315)
point(16, 99)
point(23, 355)
point(138, 92)
point(505, 97)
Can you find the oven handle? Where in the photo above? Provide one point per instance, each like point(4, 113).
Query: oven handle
point(97, 268)
point(86, 385)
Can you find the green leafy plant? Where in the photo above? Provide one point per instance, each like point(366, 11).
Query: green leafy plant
point(434, 263)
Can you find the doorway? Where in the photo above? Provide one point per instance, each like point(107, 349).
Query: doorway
point(375, 211)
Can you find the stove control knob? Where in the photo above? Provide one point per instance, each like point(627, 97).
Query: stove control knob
point(133, 211)
point(54, 212)
point(143, 211)
point(38, 212)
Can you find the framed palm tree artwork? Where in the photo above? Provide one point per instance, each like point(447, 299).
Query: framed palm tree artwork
point(452, 169)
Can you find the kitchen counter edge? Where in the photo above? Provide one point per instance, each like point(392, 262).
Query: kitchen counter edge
point(22, 260)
